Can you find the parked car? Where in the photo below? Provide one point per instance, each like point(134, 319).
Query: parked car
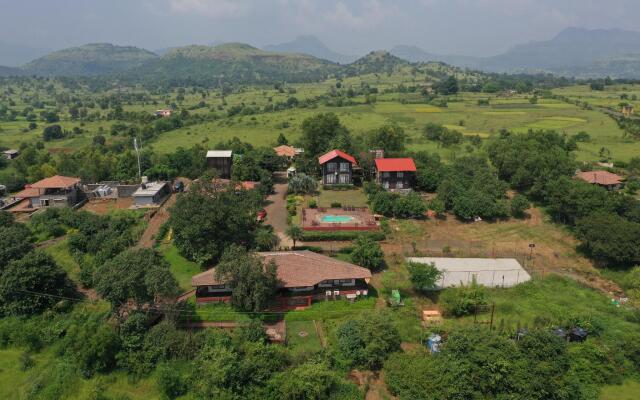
point(178, 187)
point(261, 215)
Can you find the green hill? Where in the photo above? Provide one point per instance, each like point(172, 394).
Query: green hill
point(89, 60)
point(10, 71)
point(236, 62)
point(380, 61)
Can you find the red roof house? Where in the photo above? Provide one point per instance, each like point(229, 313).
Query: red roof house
point(395, 173)
point(605, 179)
point(337, 168)
point(55, 191)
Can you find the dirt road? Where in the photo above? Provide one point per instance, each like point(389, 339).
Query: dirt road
point(160, 217)
point(277, 208)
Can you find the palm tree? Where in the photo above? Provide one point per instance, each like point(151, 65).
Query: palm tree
point(295, 233)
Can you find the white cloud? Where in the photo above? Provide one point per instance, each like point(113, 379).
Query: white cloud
point(210, 8)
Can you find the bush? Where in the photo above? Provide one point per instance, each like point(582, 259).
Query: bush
point(367, 253)
point(313, 203)
point(367, 342)
point(302, 184)
point(320, 236)
point(519, 204)
point(336, 205)
point(423, 276)
point(170, 381)
point(463, 300)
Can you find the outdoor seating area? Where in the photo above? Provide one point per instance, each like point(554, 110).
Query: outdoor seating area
point(338, 219)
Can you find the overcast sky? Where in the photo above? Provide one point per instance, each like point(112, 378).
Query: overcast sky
point(470, 27)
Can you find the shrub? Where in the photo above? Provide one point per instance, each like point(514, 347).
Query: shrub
point(463, 300)
point(367, 342)
point(368, 253)
point(519, 204)
point(170, 381)
point(302, 184)
point(320, 236)
point(336, 205)
point(423, 276)
point(313, 203)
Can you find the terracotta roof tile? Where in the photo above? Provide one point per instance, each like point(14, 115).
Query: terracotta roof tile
point(600, 177)
point(298, 269)
point(56, 182)
point(336, 153)
point(285, 151)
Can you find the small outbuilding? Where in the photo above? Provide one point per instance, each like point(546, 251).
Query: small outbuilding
point(11, 154)
point(221, 161)
point(151, 194)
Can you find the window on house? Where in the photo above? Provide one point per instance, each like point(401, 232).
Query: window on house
point(399, 185)
point(400, 174)
point(331, 167)
point(385, 174)
point(344, 178)
point(344, 167)
point(330, 178)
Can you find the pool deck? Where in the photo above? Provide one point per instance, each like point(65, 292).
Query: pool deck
point(361, 219)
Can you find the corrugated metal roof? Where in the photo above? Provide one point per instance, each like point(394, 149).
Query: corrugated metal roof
point(219, 153)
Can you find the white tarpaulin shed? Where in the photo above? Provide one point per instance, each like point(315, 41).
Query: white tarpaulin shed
point(490, 272)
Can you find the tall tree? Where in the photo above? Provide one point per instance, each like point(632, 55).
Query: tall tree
point(252, 282)
point(141, 275)
point(209, 218)
point(32, 284)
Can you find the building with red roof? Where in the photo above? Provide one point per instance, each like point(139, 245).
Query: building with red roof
point(606, 179)
point(395, 173)
point(337, 168)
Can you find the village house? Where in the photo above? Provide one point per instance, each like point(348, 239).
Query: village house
point(163, 113)
point(221, 161)
point(303, 277)
point(627, 110)
point(151, 194)
point(605, 179)
point(10, 154)
point(337, 168)
point(395, 173)
point(55, 191)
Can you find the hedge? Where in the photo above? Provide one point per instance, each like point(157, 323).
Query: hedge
point(319, 236)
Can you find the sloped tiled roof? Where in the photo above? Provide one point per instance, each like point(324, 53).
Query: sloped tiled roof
point(56, 182)
point(336, 153)
point(27, 193)
point(285, 151)
point(298, 269)
point(395, 164)
point(600, 177)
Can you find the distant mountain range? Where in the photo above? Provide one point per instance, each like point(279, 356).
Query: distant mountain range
point(308, 44)
point(573, 52)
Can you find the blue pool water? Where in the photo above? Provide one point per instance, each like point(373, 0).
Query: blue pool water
point(337, 218)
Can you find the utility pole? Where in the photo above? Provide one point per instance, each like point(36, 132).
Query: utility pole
point(135, 146)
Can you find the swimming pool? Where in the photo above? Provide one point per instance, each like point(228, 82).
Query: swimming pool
point(340, 219)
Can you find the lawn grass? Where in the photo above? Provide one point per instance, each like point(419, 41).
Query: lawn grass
point(629, 390)
point(60, 253)
point(211, 312)
point(181, 268)
point(339, 309)
point(350, 197)
point(16, 383)
point(302, 337)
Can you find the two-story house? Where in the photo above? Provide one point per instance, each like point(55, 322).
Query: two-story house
point(337, 168)
point(395, 173)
